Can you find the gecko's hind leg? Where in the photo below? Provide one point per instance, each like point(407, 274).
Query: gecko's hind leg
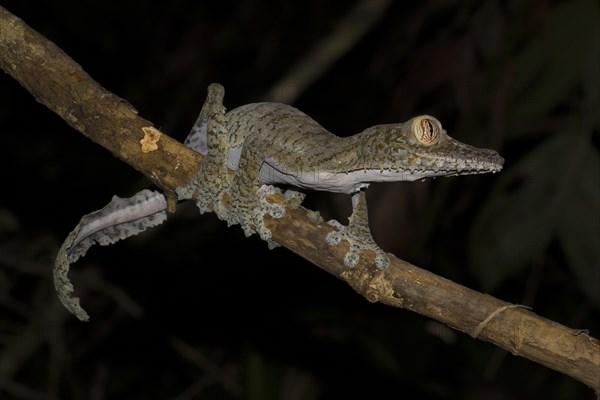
point(209, 138)
point(357, 234)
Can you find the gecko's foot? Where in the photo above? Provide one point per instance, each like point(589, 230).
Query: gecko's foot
point(205, 201)
point(208, 196)
point(196, 188)
point(274, 210)
point(357, 234)
point(250, 215)
point(359, 241)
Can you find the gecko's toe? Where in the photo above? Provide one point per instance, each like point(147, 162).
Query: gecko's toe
point(276, 211)
point(382, 260)
point(265, 207)
point(272, 245)
point(351, 258)
point(333, 238)
point(293, 199)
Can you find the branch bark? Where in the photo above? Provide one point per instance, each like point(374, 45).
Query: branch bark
point(59, 83)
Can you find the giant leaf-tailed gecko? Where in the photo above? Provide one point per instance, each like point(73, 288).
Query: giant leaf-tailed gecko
point(272, 145)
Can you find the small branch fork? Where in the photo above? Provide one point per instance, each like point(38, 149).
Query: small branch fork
point(59, 83)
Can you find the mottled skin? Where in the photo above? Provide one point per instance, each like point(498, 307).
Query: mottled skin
point(290, 141)
point(276, 144)
point(119, 219)
point(211, 182)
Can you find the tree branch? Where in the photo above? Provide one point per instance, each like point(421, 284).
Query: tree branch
point(59, 83)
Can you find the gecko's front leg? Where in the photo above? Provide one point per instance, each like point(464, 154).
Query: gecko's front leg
point(248, 195)
point(357, 234)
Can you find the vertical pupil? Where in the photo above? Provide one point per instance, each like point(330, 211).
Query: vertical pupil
point(428, 130)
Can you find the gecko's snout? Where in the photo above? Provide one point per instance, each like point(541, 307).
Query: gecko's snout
point(495, 160)
point(491, 161)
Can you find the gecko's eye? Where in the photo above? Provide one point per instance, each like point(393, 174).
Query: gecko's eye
point(427, 130)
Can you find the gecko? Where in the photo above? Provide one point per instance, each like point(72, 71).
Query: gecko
point(256, 149)
point(274, 144)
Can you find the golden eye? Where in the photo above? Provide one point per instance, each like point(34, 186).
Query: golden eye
point(427, 130)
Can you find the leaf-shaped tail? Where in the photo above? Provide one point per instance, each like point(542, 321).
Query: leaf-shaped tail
point(119, 219)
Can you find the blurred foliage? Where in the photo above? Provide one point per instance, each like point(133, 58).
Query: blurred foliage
point(553, 191)
point(193, 309)
point(553, 62)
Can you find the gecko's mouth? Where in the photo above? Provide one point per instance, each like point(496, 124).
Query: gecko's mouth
point(491, 162)
point(459, 159)
point(425, 166)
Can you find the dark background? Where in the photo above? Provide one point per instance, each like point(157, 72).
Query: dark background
point(192, 309)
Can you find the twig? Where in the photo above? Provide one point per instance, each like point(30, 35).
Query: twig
point(348, 31)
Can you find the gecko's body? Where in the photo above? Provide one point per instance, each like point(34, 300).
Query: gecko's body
point(290, 148)
point(267, 144)
point(276, 144)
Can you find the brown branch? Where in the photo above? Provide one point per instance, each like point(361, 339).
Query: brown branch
point(58, 82)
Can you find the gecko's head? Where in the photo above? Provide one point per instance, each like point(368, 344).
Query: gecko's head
point(421, 148)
